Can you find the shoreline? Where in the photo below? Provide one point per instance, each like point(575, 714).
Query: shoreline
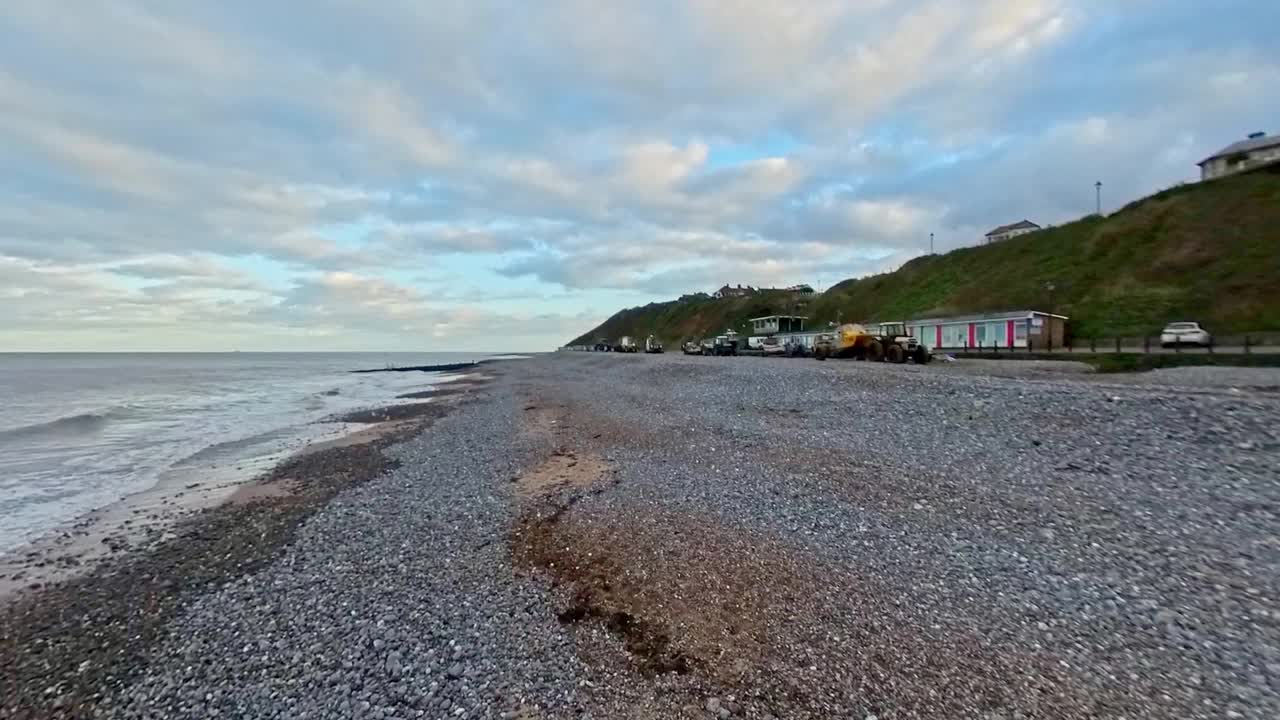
point(476, 365)
point(85, 628)
point(138, 520)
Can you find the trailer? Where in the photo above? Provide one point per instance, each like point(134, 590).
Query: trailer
point(890, 344)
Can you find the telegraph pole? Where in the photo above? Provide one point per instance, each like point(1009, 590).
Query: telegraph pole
point(930, 243)
point(1098, 189)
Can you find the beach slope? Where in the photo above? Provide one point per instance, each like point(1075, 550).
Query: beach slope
point(598, 535)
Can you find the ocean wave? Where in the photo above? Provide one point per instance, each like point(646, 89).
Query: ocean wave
point(238, 449)
point(69, 426)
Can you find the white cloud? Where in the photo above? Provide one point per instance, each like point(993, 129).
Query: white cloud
point(657, 166)
point(383, 112)
point(253, 171)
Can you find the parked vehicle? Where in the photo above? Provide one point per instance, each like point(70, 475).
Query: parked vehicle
point(724, 345)
point(771, 346)
point(708, 346)
point(891, 344)
point(693, 347)
point(1185, 333)
point(900, 346)
point(796, 348)
point(824, 346)
point(652, 345)
point(627, 344)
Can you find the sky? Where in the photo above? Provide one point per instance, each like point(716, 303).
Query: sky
point(499, 175)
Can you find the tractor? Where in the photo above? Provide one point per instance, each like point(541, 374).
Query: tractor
point(726, 344)
point(890, 344)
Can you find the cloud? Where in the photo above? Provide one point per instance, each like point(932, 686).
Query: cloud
point(241, 173)
point(177, 267)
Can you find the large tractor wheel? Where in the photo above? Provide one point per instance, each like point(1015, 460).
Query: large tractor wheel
point(895, 354)
point(875, 351)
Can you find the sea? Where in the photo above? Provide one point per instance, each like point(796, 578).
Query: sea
point(81, 431)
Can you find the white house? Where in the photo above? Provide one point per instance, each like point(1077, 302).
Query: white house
point(1255, 151)
point(1004, 232)
point(775, 324)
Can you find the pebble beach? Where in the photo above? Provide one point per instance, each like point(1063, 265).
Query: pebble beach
point(588, 535)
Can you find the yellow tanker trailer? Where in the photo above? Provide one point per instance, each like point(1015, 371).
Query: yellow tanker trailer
point(891, 344)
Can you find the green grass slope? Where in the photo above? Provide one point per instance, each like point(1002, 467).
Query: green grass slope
point(1208, 252)
point(674, 322)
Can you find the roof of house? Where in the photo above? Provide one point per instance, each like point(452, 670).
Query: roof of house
point(1020, 225)
point(1244, 146)
point(1011, 315)
point(780, 317)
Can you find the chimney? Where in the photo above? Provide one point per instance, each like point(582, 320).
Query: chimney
point(1255, 136)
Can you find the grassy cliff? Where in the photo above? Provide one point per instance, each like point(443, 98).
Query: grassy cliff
point(676, 321)
point(1208, 252)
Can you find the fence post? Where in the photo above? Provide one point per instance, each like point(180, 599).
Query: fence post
point(1210, 346)
point(1177, 347)
point(1246, 344)
point(1117, 346)
point(1093, 344)
point(1146, 344)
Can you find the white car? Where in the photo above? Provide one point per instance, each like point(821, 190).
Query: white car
point(1185, 333)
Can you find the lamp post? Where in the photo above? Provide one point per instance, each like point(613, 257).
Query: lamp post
point(930, 243)
point(1047, 328)
point(1098, 190)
